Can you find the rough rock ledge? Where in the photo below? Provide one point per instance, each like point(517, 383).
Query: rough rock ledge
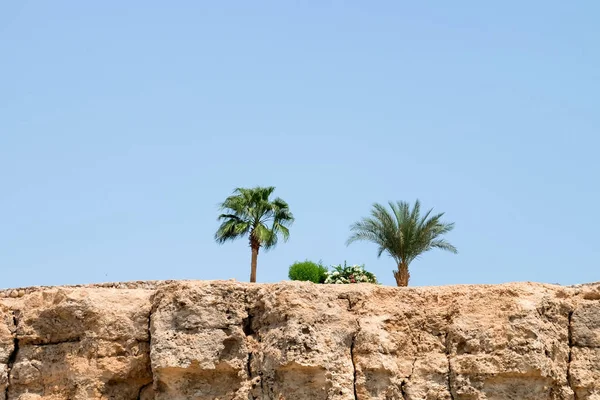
point(223, 340)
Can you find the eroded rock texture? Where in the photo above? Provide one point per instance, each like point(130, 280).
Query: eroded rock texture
point(226, 340)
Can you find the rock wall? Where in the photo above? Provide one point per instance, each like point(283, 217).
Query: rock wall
point(222, 340)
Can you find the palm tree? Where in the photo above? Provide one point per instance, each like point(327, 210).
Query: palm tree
point(249, 212)
point(403, 233)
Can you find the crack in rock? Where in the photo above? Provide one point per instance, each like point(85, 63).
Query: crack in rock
point(449, 366)
point(249, 332)
point(352, 344)
point(570, 357)
point(249, 365)
point(405, 381)
point(42, 344)
point(13, 356)
point(149, 328)
point(153, 307)
point(353, 366)
point(139, 396)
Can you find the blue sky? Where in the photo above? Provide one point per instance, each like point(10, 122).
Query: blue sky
point(124, 124)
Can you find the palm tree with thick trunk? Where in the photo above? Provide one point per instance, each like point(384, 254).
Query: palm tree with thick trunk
point(403, 233)
point(250, 212)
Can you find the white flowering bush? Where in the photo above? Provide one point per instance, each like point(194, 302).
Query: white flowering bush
point(349, 274)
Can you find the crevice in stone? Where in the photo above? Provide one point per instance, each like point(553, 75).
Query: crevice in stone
point(405, 381)
point(42, 344)
point(447, 345)
point(569, 359)
point(247, 324)
point(249, 365)
point(153, 307)
point(139, 395)
point(403, 389)
point(249, 332)
point(149, 327)
point(351, 303)
point(353, 366)
point(352, 343)
point(13, 355)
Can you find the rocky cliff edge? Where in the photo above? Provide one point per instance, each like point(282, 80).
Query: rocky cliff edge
point(229, 340)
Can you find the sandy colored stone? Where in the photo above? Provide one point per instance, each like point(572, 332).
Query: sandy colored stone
point(304, 339)
point(7, 329)
point(81, 344)
point(584, 370)
point(218, 340)
point(199, 349)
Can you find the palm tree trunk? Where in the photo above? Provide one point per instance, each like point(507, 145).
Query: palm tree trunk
point(254, 247)
point(402, 275)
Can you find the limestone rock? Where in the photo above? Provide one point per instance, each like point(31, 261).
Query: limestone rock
point(199, 348)
point(584, 371)
point(82, 344)
point(217, 340)
point(304, 338)
point(7, 346)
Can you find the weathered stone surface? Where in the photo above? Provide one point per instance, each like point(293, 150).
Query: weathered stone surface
point(7, 346)
point(303, 341)
point(81, 344)
point(218, 340)
point(584, 370)
point(199, 348)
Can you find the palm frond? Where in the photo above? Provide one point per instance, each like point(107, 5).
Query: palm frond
point(231, 229)
point(279, 228)
point(443, 245)
point(229, 216)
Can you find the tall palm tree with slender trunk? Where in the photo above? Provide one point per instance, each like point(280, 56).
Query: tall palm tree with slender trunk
point(250, 212)
point(403, 233)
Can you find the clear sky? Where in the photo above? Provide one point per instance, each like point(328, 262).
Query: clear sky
point(124, 124)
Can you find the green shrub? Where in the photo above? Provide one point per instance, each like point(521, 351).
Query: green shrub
point(307, 271)
point(350, 274)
